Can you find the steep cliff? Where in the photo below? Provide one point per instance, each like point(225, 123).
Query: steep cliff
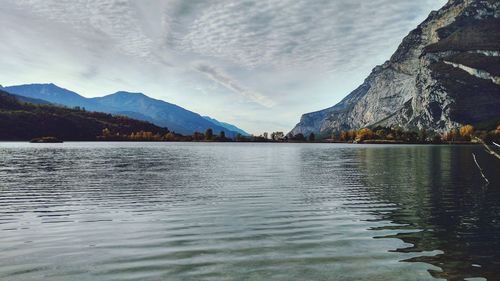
point(446, 72)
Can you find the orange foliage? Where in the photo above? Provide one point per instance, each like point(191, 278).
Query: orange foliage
point(364, 134)
point(466, 131)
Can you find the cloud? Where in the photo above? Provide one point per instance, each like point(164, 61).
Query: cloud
point(232, 85)
point(284, 57)
point(288, 34)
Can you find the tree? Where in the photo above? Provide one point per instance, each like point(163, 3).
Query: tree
point(436, 138)
point(344, 136)
point(451, 135)
point(299, 137)
point(209, 134)
point(364, 134)
point(423, 135)
point(106, 133)
point(410, 137)
point(351, 135)
point(277, 136)
point(265, 135)
point(467, 131)
point(312, 137)
point(334, 137)
point(398, 133)
point(197, 136)
point(381, 134)
point(170, 137)
point(222, 135)
point(495, 134)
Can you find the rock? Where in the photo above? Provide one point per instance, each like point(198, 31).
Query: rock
point(419, 88)
point(46, 140)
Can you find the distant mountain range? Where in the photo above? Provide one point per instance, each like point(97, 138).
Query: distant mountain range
point(445, 73)
point(23, 119)
point(227, 125)
point(133, 105)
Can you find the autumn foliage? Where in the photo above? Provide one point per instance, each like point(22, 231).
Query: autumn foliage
point(364, 134)
point(466, 131)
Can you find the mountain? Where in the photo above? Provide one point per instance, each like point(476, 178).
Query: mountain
point(31, 100)
point(176, 118)
point(445, 73)
point(227, 126)
point(50, 93)
point(134, 105)
point(24, 121)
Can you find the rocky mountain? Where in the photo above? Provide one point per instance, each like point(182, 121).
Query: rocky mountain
point(446, 72)
point(134, 105)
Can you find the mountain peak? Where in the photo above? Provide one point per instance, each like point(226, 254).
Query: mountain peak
point(47, 91)
point(128, 93)
point(133, 104)
point(442, 75)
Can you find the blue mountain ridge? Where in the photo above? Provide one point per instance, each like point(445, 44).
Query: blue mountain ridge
point(134, 105)
point(227, 125)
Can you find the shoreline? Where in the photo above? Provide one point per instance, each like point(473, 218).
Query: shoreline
point(257, 142)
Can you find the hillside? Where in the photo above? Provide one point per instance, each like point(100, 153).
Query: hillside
point(23, 121)
point(227, 126)
point(134, 105)
point(445, 73)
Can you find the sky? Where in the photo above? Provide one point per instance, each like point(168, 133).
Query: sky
point(258, 64)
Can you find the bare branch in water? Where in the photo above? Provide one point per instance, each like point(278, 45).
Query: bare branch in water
point(488, 149)
point(480, 169)
point(496, 144)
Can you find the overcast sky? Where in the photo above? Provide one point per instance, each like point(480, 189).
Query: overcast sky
point(257, 64)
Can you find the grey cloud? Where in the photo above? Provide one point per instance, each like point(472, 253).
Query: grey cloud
point(297, 33)
point(121, 24)
point(285, 56)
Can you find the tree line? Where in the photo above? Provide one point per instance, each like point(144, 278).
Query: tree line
point(463, 134)
point(24, 121)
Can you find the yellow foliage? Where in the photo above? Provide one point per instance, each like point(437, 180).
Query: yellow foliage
point(170, 136)
point(364, 134)
point(466, 131)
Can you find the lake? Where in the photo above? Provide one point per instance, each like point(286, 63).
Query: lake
point(247, 211)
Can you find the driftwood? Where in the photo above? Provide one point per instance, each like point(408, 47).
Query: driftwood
point(489, 150)
point(480, 169)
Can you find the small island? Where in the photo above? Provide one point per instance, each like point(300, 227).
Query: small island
point(46, 140)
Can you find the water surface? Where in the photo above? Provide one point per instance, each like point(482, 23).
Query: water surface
point(218, 211)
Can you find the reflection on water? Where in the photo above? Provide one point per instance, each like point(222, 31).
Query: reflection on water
point(439, 191)
point(188, 211)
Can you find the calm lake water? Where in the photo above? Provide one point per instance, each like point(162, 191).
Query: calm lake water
point(198, 211)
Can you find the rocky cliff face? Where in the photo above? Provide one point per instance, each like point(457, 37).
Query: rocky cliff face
point(445, 73)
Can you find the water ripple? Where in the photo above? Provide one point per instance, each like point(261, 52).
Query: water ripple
point(184, 211)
